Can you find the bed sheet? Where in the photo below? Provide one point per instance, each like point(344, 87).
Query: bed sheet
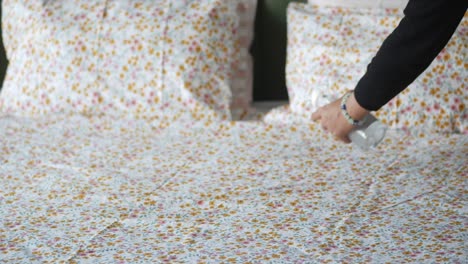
point(78, 189)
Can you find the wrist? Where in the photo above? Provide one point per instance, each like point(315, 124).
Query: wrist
point(354, 109)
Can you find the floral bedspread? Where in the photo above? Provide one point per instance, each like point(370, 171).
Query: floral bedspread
point(82, 189)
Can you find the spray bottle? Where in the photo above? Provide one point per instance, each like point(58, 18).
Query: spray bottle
point(367, 134)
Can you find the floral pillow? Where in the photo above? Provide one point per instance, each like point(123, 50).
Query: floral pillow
point(158, 59)
point(329, 49)
point(361, 3)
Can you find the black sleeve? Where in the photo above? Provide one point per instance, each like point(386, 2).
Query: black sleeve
point(423, 32)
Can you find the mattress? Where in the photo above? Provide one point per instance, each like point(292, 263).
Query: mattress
point(81, 189)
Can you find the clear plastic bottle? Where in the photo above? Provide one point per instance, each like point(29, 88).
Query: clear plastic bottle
point(367, 135)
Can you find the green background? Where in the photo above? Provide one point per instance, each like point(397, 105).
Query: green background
point(269, 50)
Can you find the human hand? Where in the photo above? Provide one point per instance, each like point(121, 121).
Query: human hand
point(333, 121)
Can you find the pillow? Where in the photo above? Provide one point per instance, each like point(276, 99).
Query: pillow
point(158, 59)
point(329, 49)
point(361, 3)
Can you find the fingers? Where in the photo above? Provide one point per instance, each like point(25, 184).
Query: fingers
point(342, 138)
point(322, 115)
point(317, 115)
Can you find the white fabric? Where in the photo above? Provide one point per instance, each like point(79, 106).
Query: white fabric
point(102, 190)
point(157, 59)
point(329, 49)
point(361, 3)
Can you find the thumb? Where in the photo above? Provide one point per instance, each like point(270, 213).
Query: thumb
point(317, 115)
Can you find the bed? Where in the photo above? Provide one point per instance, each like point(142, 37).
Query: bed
point(209, 179)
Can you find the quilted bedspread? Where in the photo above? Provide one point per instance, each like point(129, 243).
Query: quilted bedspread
point(79, 189)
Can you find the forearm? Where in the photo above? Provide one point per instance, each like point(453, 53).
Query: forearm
point(409, 50)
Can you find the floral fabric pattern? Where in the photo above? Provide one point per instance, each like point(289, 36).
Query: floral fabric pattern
point(153, 59)
point(329, 49)
point(361, 3)
point(94, 189)
point(98, 183)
